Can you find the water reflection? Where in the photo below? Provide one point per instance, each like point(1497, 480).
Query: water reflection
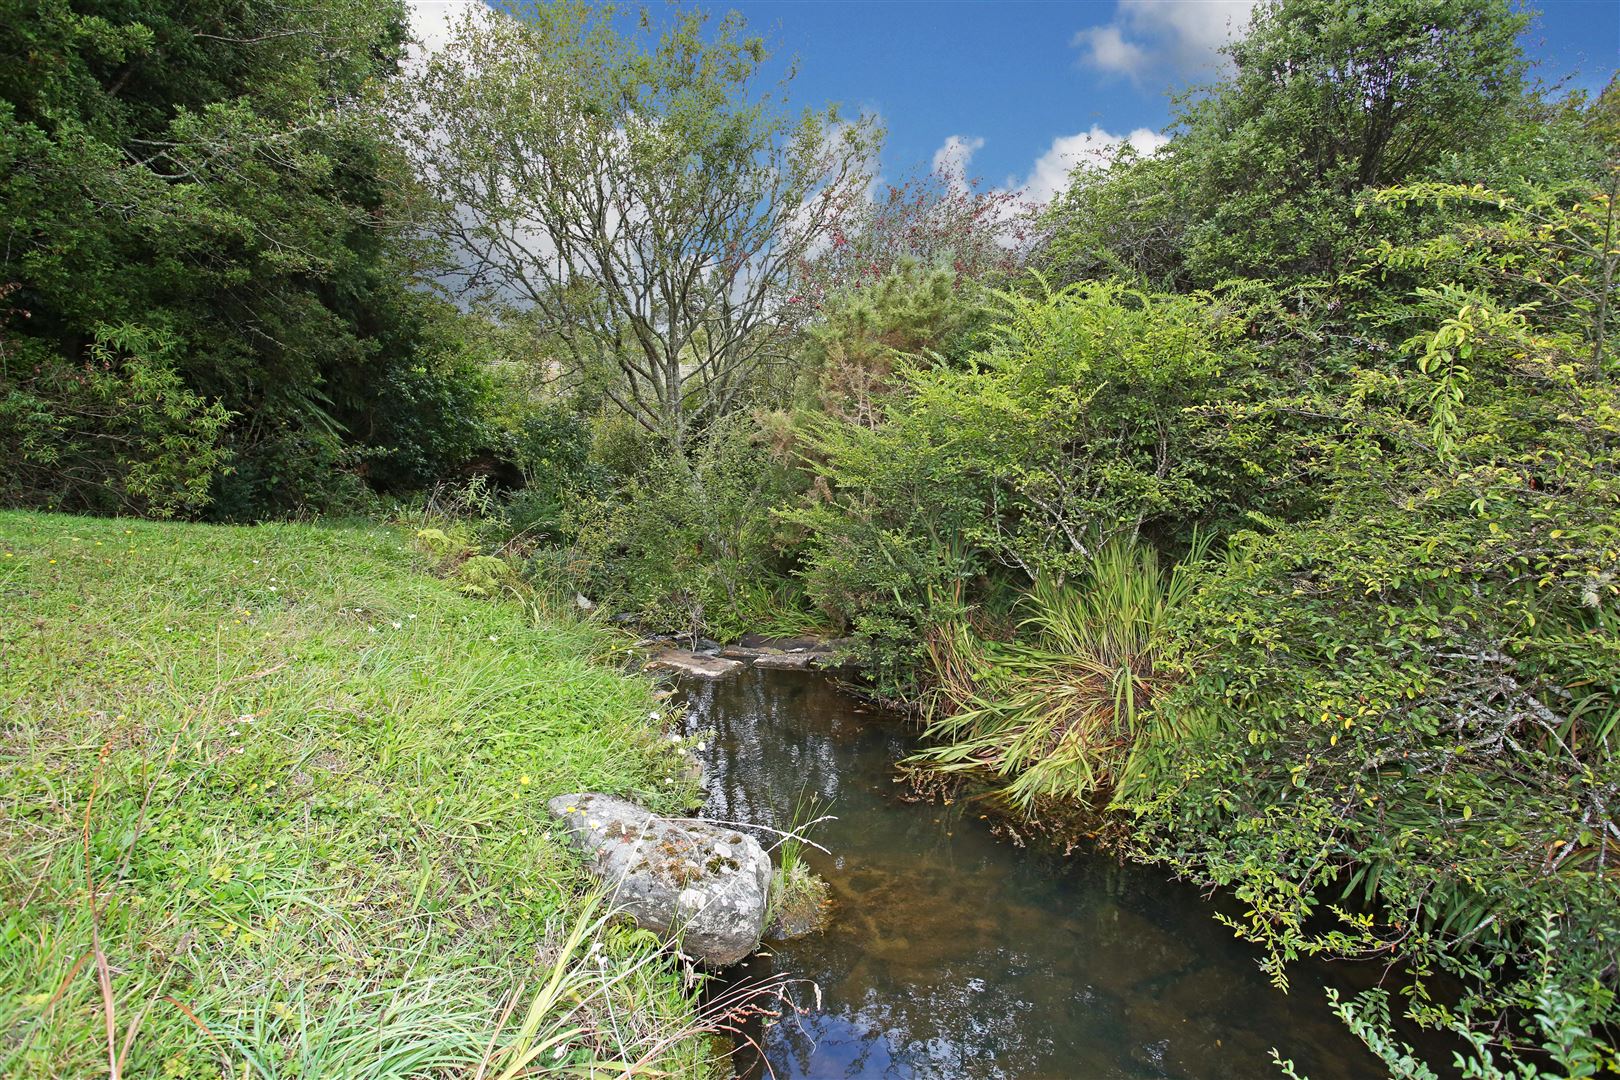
point(953, 954)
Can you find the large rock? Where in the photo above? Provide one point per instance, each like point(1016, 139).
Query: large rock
point(692, 880)
point(691, 663)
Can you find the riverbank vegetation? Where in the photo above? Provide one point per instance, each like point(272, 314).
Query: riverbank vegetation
point(1258, 494)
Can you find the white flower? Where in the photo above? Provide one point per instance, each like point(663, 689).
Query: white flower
point(702, 747)
point(492, 637)
point(399, 626)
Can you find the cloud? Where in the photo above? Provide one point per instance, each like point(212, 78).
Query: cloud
point(952, 158)
point(1050, 173)
point(431, 20)
point(1176, 38)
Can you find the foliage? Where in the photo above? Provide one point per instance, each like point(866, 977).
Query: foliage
point(1326, 100)
point(245, 741)
point(1072, 426)
point(207, 175)
point(634, 190)
point(1411, 702)
point(1066, 710)
point(940, 221)
point(687, 543)
point(119, 433)
point(910, 314)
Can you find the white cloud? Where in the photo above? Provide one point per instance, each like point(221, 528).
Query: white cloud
point(952, 157)
point(1050, 173)
point(1105, 47)
point(1178, 38)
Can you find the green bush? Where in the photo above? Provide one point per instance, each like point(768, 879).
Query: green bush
point(688, 543)
point(1410, 706)
point(1077, 424)
point(119, 433)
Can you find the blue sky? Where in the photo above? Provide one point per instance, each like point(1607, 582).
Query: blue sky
point(1024, 89)
point(1034, 79)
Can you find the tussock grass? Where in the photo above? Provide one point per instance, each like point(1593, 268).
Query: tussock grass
point(272, 803)
point(1066, 712)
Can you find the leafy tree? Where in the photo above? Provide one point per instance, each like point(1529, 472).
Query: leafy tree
point(634, 190)
point(940, 221)
point(208, 175)
point(1326, 100)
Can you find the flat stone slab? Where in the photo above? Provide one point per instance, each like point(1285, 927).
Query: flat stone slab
point(790, 661)
point(695, 664)
point(701, 884)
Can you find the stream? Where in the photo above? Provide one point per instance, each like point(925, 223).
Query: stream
point(952, 953)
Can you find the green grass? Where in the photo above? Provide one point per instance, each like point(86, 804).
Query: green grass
point(272, 803)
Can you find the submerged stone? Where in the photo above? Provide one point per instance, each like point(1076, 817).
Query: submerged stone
point(693, 881)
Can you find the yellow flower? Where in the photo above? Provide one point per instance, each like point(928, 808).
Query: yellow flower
point(524, 779)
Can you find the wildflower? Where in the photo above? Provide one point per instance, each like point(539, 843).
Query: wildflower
point(654, 716)
point(492, 637)
point(570, 809)
point(702, 746)
point(410, 616)
point(53, 562)
point(399, 625)
point(524, 779)
point(9, 555)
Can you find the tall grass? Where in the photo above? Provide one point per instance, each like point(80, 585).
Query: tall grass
point(1066, 710)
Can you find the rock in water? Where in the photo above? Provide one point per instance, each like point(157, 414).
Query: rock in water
point(692, 880)
point(695, 664)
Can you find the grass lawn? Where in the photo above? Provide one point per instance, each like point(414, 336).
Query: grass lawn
point(272, 803)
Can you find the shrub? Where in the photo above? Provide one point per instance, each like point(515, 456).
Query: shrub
point(688, 544)
point(1075, 425)
point(119, 433)
point(1409, 707)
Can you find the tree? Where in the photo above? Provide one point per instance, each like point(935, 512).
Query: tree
point(633, 190)
point(197, 209)
point(1326, 100)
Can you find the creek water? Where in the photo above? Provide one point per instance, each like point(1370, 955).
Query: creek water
point(954, 953)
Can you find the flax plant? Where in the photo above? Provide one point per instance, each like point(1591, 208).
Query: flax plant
point(1066, 710)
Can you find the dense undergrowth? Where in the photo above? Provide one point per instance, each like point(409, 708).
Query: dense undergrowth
point(273, 804)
